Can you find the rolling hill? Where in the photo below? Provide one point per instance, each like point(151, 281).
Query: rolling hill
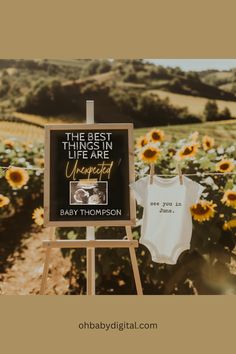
point(35, 92)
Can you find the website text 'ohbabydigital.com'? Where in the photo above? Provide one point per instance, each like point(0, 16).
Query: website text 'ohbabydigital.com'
point(117, 326)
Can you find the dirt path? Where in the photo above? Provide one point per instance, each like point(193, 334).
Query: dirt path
point(24, 277)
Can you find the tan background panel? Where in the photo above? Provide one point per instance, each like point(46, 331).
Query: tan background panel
point(121, 29)
point(187, 324)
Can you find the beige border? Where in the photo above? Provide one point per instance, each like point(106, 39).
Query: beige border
point(132, 207)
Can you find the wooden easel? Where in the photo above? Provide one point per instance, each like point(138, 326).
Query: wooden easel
point(91, 244)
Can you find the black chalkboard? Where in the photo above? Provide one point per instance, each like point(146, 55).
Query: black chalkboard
point(87, 175)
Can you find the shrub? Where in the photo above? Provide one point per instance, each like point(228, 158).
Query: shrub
point(211, 111)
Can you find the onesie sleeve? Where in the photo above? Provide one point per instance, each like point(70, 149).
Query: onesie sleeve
point(195, 192)
point(139, 189)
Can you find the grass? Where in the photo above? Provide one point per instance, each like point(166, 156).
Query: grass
point(227, 87)
point(221, 131)
point(42, 120)
point(195, 105)
point(222, 75)
point(21, 131)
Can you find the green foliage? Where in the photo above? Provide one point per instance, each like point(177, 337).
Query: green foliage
point(225, 114)
point(211, 112)
point(96, 67)
point(149, 110)
point(56, 87)
point(222, 79)
point(50, 99)
point(4, 87)
point(143, 110)
point(29, 196)
point(204, 269)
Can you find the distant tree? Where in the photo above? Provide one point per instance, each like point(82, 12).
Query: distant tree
point(225, 114)
point(52, 69)
point(130, 76)
point(91, 68)
point(177, 71)
point(192, 76)
point(104, 66)
point(137, 64)
point(176, 84)
point(233, 88)
point(159, 72)
point(4, 87)
point(211, 111)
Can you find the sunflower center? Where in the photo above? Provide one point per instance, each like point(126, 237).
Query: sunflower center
point(149, 153)
point(188, 150)
point(208, 144)
point(143, 142)
point(224, 166)
point(156, 136)
point(200, 210)
point(232, 196)
point(16, 177)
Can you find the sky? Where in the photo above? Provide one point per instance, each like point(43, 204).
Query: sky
point(197, 64)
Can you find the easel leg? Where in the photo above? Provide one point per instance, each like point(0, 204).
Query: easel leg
point(90, 271)
point(45, 271)
point(90, 255)
point(135, 271)
point(134, 263)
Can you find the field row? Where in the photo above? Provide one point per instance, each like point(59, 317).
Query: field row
point(221, 131)
point(21, 131)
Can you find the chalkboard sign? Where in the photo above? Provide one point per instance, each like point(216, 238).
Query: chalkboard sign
point(88, 168)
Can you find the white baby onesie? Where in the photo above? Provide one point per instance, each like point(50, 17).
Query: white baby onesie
point(167, 222)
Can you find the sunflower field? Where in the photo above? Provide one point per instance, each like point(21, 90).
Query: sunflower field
point(207, 268)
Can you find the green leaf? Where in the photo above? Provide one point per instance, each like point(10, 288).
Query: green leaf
point(2, 172)
point(229, 184)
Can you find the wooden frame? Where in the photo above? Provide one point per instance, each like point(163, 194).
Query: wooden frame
point(132, 207)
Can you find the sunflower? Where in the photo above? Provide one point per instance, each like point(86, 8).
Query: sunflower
point(141, 141)
point(149, 154)
point(171, 152)
point(38, 215)
point(156, 135)
point(225, 166)
point(187, 151)
point(8, 144)
point(204, 210)
point(39, 162)
point(229, 198)
point(17, 177)
point(208, 142)
point(228, 225)
point(4, 201)
point(194, 136)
